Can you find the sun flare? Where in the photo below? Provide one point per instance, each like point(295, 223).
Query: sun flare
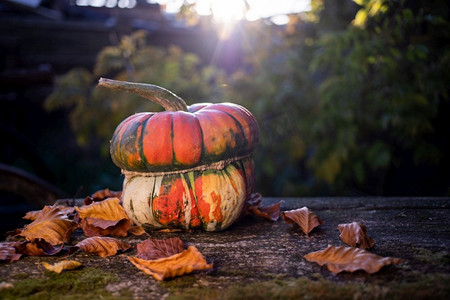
point(227, 11)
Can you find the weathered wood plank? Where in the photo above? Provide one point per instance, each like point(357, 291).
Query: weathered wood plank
point(256, 250)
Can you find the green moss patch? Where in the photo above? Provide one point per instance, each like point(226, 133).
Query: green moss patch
point(87, 283)
point(435, 286)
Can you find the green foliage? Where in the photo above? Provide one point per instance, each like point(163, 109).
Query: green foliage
point(346, 102)
point(340, 94)
point(384, 80)
point(96, 112)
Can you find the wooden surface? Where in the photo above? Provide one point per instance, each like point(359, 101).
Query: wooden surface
point(257, 250)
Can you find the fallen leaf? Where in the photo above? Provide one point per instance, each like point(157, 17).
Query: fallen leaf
point(271, 213)
point(52, 225)
point(102, 246)
point(350, 259)
point(108, 209)
point(186, 262)
point(255, 199)
point(35, 214)
point(102, 195)
point(8, 251)
point(253, 207)
point(355, 235)
point(303, 217)
point(171, 230)
point(62, 266)
point(104, 218)
point(99, 227)
point(137, 230)
point(40, 247)
point(152, 249)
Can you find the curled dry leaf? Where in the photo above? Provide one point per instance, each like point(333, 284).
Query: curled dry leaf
point(109, 209)
point(98, 227)
point(104, 218)
point(303, 217)
point(40, 247)
point(102, 246)
point(252, 206)
point(350, 259)
point(62, 266)
point(102, 195)
point(35, 214)
point(355, 235)
point(8, 251)
point(186, 262)
point(152, 249)
point(52, 225)
point(172, 230)
point(137, 230)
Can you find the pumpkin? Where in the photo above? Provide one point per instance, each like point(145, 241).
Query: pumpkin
point(186, 167)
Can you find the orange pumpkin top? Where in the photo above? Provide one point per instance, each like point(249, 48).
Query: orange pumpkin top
point(177, 140)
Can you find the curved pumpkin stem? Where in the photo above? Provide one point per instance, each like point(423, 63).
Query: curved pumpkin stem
point(154, 93)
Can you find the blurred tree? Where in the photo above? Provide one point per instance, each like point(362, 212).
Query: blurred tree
point(384, 80)
point(351, 98)
point(95, 113)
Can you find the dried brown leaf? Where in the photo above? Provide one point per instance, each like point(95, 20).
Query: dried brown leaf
point(152, 249)
point(303, 217)
point(137, 230)
point(101, 195)
point(350, 259)
point(186, 262)
point(8, 251)
point(271, 212)
point(109, 209)
point(356, 235)
point(62, 266)
point(40, 247)
point(104, 218)
point(253, 207)
point(172, 230)
point(102, 246)
point(52, 225)
point(36, 214)
point(255, 199)
point(98, 227)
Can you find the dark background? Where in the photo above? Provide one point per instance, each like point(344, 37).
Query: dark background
point(40, 44)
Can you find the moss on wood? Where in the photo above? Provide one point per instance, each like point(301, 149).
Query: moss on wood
point(87, 283)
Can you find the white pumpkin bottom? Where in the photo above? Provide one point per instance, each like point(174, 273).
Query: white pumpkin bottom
point(215, 197)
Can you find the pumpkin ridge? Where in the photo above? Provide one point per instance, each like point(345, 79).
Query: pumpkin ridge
point(151, 203)
point(174, 161)
point(132, 209)
point(202, 155)
point(117, 141)
point(141, 144)
point(191, 185)
point(233, 184)
point(239, 125)
point(242, 167)
point(133, 129)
